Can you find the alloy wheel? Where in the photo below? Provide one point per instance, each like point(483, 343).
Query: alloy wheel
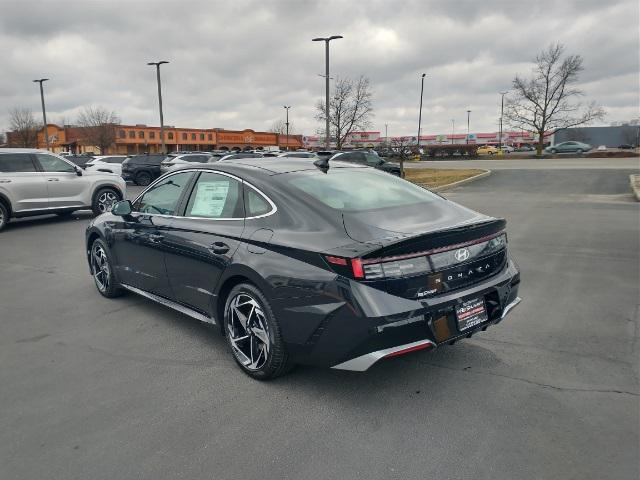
point(100, 267)
point(106, 200)
point(248, 331)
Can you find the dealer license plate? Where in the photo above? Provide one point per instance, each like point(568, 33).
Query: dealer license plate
point(471, 313)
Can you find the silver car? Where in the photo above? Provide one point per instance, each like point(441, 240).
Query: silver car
point(174, 161)
point(37, 182)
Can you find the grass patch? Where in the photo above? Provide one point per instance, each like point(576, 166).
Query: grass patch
point(436, 177)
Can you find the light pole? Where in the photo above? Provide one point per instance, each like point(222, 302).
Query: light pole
point(326, 41)
point(501, 114)
point(420, 114)
point(157, 65)
point(468, 115)
point(453, 129)
point(44, 112)
point(287, 107)
point(386, 136)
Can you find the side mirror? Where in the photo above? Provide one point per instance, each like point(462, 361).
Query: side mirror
point(78, 171)
point(122, 208)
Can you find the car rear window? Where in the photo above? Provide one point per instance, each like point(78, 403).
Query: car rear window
point(358, 189)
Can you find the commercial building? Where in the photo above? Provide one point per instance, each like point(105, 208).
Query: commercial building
point(133, 139)
point(609, 136)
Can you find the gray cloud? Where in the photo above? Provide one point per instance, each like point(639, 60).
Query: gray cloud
point(235, 63)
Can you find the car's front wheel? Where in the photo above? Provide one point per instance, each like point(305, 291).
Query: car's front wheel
point(143, 179)
point(553, 150)
point(102, 270)
point(253, 334)
point(104, 200)
point(579, 151)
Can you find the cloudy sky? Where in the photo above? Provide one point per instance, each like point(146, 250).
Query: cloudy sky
point(235, 63)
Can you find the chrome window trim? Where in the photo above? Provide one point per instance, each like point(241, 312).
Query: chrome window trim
point(273, 210)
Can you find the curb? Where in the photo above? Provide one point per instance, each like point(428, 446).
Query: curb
point(635, 185)
point(441, 188)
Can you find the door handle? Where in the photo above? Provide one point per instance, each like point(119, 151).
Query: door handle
point(219, 248)
point(53, 179)
point(5, 181)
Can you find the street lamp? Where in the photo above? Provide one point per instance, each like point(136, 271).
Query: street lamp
point(287, 107)
point(386, 136)
point(453, 129)
point(326, 41)
point(501, 114)
point(44, 112)
point(420, 114)
point(468, 115)
point(157, 65)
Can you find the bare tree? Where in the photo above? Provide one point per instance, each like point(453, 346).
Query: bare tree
point(24, 128)
point(401, 147)
point(350, 108)
point(98, 127)
point(280, 127)
point(548, 101)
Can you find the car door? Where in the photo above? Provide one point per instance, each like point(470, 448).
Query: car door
point(22, 183)
point(65, 187)
point(139, 239)
point(202, 242)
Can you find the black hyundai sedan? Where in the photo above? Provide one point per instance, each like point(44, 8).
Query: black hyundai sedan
point(336, 265)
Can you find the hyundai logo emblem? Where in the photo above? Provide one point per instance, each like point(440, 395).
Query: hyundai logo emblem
point(461, 254)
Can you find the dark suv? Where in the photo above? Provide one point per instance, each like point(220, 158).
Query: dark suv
point(368, 159)
point(142, 169)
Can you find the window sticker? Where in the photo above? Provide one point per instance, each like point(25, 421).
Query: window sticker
point(210, 198)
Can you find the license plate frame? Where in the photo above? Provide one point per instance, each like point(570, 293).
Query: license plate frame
point(471, 313)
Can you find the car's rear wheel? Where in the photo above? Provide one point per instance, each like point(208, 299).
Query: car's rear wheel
point(143, 179)
point(4, 215)
point(104, 200)
point(102, 271)
point(253, 334)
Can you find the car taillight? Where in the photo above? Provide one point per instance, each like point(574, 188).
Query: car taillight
point(417, 263)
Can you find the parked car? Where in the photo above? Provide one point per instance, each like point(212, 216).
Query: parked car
point(326, 153)
point(305, 265)
point(236, 156)
point(142, 169)
point(601, 148)
point(106, 163)
point(270, 154)
point(487, 150)
point(299, 155)
point(508, 149)
point(172, 161)
point(368, 159)
point(37, 182)
point(525, 148)
point(626, 146)
point(569, 147)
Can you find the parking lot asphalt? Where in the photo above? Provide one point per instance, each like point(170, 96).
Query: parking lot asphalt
point(514, 163)
point(92, 388)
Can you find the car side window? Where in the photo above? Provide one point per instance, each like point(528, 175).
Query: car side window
point(16, 162)
point(54, 164)
point(162, 198)
point(216, 196)
point(255, 204)
point(372, 160)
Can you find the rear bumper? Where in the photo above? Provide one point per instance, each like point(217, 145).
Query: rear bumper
point(370, 324)
point(363, 362)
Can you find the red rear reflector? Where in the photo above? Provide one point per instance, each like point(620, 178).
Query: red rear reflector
point(356, 267)
point(337, 260)
point(407, 350)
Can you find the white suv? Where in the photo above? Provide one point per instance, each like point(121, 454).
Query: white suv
point(106, 163)
point(37, 182)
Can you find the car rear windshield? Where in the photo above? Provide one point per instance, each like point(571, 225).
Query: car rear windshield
point(359, 189)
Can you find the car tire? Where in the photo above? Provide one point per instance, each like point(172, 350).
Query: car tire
point(104, 199)
point(143, 179)
point(4, 215)
point(102, 270)
point(257, 346)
